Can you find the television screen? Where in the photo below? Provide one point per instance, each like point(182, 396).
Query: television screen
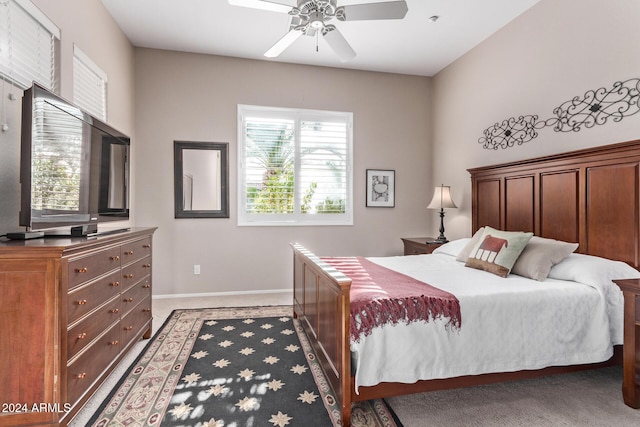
point(74, 167)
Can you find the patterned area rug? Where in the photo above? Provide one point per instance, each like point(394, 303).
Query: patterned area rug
point(219, 367)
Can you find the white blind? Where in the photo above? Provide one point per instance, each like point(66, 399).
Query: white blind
point(295, 167)
point(89, 85)
point(28, 45)
point(57, 152)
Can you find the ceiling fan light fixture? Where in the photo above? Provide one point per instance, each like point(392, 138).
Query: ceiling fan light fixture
point(316, 20)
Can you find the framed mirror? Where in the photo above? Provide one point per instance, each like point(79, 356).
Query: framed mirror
point(201, 179)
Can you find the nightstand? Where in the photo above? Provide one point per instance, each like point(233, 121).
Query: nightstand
point(419, 245)
point(631, 348)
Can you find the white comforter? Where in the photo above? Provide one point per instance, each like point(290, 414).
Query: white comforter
point(507, 325)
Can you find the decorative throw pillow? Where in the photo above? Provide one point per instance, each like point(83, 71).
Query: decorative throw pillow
point(540, 255)
point(464, 254)
point(497, 250)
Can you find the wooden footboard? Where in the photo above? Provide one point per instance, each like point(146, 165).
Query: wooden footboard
point(321, 302)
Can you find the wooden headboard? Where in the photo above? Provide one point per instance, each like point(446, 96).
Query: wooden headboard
point(588, 196)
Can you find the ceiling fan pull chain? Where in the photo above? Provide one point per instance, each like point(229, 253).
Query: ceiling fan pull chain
point(317, 39)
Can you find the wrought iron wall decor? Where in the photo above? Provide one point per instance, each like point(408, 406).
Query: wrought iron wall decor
point(596, 107)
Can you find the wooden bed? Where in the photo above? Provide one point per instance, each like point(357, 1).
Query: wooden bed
point(588, 196)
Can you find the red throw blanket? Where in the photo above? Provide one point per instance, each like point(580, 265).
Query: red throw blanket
point(381, 296)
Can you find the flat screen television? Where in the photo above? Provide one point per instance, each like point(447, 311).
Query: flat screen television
point(74, 168)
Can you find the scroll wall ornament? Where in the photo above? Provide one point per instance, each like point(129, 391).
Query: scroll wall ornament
point(596, 107)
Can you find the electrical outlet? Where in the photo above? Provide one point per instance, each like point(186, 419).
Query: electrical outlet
point(196, 269)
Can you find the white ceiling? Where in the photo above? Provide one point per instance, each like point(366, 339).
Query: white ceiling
point(412, 45)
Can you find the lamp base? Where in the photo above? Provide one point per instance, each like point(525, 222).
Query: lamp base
point(438, 241)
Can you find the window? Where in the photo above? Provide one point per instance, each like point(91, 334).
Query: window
point(28, 45)
point(89, 85)
point(294, 167)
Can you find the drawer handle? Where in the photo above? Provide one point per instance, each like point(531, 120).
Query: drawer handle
point(81, 376)
point(113, 342)
point(82, 336)
point(114, 311)
point(115, 284)
point(146, 286)
point(128, 252)
point(128, 276)
point(81, 270)
point(128, 300)
point(115, 258)
point(128, 328)
point(81, 302)
point(146, 265)
point(146, 246)
point(146, 310)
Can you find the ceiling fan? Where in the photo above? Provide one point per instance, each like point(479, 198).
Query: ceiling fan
point(312, 17)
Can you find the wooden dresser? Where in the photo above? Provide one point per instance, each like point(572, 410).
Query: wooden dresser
point(70, 309)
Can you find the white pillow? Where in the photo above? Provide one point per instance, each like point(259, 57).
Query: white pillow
point(591, 270)
point(471, 243)
point(452, 248)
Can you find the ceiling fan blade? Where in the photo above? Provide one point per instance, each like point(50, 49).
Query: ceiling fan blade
point(272, 5)
point(339, 45)
point(286, 41)
point(367, 11)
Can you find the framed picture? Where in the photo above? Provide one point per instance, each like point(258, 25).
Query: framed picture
point(381, 186)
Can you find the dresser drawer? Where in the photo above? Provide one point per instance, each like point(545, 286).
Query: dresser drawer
point(83, 333)
point(133, 273)
point(136, 250)
point(88, 267)
point(83, 299)
point(134, 295)
point(133, 322)
point(92, 362)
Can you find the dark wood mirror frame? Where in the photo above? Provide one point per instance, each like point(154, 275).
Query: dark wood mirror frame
point(184, 195)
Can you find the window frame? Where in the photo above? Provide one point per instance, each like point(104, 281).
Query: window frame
point(297, 218)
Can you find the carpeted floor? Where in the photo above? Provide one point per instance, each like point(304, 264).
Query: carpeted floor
point(217, 367)
point(585, 399)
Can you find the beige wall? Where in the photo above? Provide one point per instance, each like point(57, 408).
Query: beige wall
point(193, 97)
point(557, 50)
point(87, 24)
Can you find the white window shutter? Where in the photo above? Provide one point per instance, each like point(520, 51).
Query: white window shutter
point(89, 85)
point(28, 45)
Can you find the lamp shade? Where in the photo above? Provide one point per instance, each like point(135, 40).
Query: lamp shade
point(441, 198)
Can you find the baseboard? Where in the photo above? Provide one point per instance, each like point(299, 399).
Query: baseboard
point(221, 294)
